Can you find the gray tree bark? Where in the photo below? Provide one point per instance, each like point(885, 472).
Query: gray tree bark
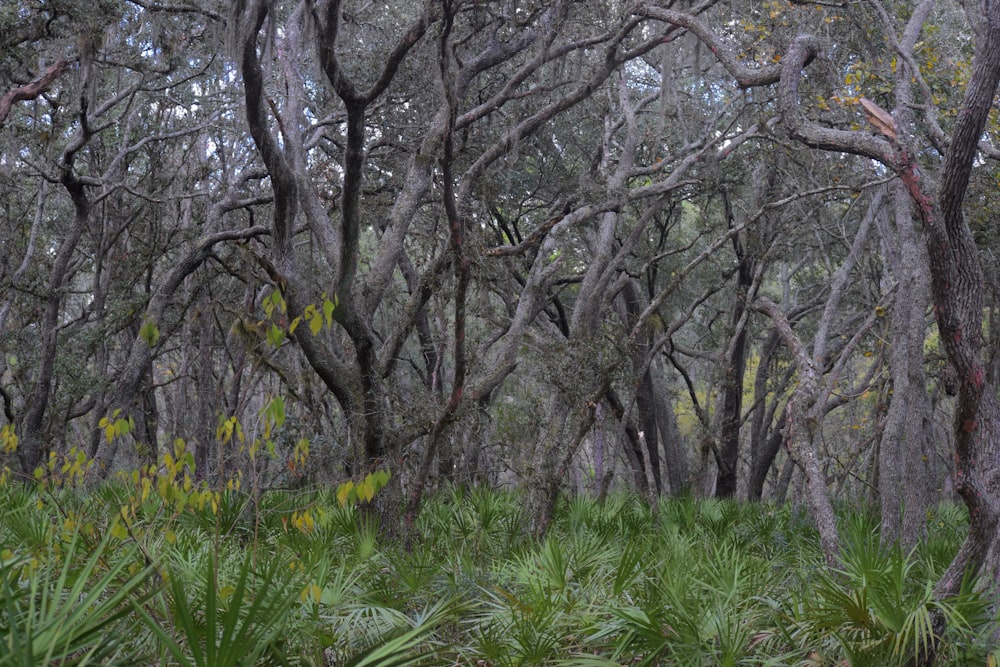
point(807, 405)
point(905, 448)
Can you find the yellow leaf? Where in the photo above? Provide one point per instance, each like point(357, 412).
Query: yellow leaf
point(366, 491)
point(343, 491)
point(312, 593)
point(328, 308)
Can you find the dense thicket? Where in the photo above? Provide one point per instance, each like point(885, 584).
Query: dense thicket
point(685, 249)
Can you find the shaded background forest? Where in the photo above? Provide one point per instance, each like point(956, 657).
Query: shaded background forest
point(557, 245)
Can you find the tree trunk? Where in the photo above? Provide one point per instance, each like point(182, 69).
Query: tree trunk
point(675, 458)
point(765, 437)
point(905, 446)
point(807, 406)
point(646, 447)
point(734, 366)
point(544, 484)
point(734, 369)
point(204, 428)
point(958, 289)
point(33, 446)
point(804, 419)
point(957, 282)
point(767, 453)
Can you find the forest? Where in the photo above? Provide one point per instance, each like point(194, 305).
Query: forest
point(499, 332)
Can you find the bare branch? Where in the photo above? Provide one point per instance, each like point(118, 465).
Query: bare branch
point(342, 83)
point(282, 179)
point(840, 279)
point(747, 76)
point(800, 53)
point(168, 8)
point(30, 91)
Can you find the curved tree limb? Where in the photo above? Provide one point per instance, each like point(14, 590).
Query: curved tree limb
point(30, 91)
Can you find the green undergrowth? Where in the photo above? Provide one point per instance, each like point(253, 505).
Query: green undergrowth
point(302, 579)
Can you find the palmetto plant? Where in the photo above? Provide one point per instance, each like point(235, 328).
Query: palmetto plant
point(23, 522)
point(65, 606)
point(404, 640)
point(223, 624)
point(878, 609)
point(295, 578)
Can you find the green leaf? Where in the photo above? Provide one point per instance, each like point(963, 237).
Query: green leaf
point(275, 336)
point(275, 410)
point(274, 302)
point(232, 624)
point(404, 649)
point(379, 478)
point(75, 606)
point(328, 308)
point(149, 333)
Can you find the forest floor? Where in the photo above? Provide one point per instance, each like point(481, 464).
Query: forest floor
point(129, 573)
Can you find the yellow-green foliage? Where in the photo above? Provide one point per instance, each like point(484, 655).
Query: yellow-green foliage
point(276, 322)
point(363, 491)
point(687, 418)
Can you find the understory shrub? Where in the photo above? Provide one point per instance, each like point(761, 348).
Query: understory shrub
point(300, 578)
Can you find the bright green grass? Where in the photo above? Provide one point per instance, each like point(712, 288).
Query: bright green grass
point(695, 583)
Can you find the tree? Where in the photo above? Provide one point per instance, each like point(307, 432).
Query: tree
point(956, 276)
point(811, 399)
point(417, 222)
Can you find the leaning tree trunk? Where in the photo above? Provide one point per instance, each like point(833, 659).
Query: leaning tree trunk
point(647, 448)
point(734, 369)
point(33, 439)
point(675, 460)
point(903, 482)
point(807, 405)
point(766, 431)
point(33, 434)
point(957, 284)
point(804, 421)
